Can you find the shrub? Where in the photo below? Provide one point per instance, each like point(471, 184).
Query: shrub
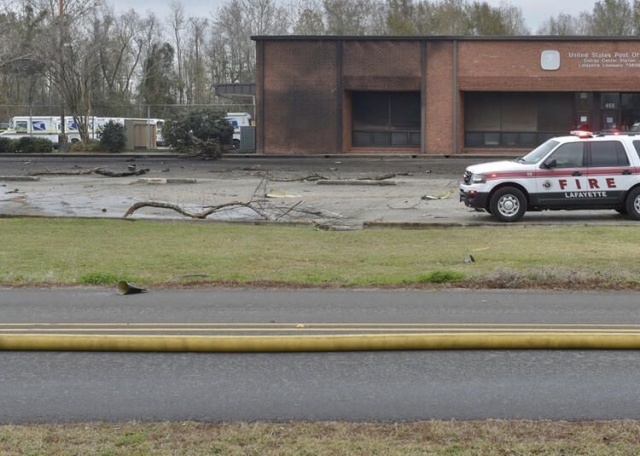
point(8, 145)
point(34, 145)
point(112, 137)
point(439, 276)
point(202, 131)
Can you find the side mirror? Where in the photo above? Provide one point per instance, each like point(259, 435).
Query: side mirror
point(550, 164)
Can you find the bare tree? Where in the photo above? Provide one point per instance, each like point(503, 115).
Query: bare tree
point(565, 24)
point(197, 88)
point(178, 24)
point(308, 18)
point(232, 52)
point(612, 18)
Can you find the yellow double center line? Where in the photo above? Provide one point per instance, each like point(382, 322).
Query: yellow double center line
point(290, 337)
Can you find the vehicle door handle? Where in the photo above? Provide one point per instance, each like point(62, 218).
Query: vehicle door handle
point(626, 172)
point(576, 173)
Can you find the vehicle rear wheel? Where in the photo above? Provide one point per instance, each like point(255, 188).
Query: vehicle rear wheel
point(633, 203)
point(508, 204)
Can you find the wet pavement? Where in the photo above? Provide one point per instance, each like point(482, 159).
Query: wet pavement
point(325, 191)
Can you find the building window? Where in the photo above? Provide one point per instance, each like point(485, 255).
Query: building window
point(386, 119)
point(515, 119)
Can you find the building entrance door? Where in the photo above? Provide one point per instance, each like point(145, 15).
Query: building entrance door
point(610, 120)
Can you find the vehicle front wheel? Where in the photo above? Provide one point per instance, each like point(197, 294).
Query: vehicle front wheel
point(633, 204)
point(508, 204)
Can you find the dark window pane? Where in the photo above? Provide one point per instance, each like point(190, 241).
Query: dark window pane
point(608, 153)
point(361, 138)
point(610, 101)
point(636, 144)
point(492, 139)
point(583, 101)
point(405, 110)
point(570, 155)
point(555, 112)
point(475, 139)
point(399, 138)
point(370, 110)
point(380, 138)
point(381, 119)
point(482, 111)
point(510, 139)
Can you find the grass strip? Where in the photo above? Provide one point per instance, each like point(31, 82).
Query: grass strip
point(329, 438)
point(96, 251)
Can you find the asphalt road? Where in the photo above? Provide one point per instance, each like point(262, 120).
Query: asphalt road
point(363, 386)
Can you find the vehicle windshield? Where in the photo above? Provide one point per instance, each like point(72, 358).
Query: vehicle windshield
point(539, 152)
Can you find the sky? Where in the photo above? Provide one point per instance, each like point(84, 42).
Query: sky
point(535, 11)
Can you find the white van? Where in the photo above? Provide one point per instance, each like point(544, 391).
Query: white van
point(237, 120)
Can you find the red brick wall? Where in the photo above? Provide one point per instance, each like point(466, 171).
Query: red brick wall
point(300, 98)
point(439, 116)
point(515, 66)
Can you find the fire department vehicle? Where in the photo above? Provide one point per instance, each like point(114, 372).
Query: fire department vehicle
point(581, 171)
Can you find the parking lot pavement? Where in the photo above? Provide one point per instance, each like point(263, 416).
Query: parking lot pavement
point(341, 203)
point(333, 198)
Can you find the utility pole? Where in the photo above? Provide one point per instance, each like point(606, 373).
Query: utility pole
point(62, 141)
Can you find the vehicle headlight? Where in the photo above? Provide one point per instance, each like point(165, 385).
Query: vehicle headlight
point(478, 179)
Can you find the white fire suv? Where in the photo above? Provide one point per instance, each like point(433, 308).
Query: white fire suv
point(582, 171)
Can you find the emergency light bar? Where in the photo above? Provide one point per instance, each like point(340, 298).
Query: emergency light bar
point(581, 134)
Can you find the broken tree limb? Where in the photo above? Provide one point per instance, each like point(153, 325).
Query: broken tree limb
point(106, 172)
point(83, 172)
point(63, 173)
point(197, 215)
point(310, 178)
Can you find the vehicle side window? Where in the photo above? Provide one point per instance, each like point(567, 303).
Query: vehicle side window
point(570, 155)
point(636, 144)
point(608, 153)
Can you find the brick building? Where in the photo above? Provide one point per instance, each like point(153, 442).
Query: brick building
point(439, 95)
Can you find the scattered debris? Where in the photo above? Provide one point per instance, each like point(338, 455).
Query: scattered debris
point(440, 196)
point(281, 194)
point(356, 182)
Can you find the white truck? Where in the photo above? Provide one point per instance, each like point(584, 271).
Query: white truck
point(49, 127)
point(237, 120)
point(582, 171)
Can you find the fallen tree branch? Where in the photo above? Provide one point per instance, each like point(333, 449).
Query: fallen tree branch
point(83, 172)
point(197, 215)
point(63, 173)
point(310, 178)
point(106, 172)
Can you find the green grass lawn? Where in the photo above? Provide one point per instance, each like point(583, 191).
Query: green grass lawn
point(83, 251)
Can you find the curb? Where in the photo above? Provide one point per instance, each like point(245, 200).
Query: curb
point(162, 181)
point(19, 178)
point(331, 343)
